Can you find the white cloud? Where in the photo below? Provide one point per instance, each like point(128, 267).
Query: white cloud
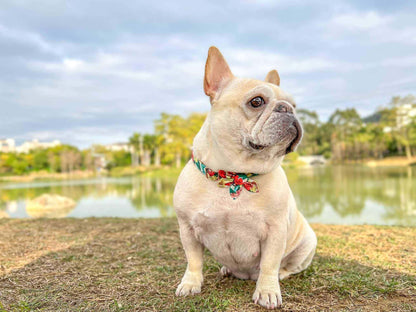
point(370, 27)
point(399, 61)
point(72, 64)
point(249, 63)
point(30, 38)
point(358, 21)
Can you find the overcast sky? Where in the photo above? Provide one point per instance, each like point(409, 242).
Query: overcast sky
point(90, 72)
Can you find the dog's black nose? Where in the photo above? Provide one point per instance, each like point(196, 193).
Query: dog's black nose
point(283, 107)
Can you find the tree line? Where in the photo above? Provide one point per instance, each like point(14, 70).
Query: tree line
point(390, 131)
point(169, 145)
point(62, 158)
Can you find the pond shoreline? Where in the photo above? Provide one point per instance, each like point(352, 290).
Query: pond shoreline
point(87, 174)
point(396, 161)
point(115, 264)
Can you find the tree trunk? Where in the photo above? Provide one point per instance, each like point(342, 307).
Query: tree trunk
point(157, 157)
point(146, 158)
point(141, 151)
point(408, 151)
point(134, 158)
point(399, 148)
point(134, 161)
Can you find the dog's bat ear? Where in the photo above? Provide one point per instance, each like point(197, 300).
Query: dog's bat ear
point(217, 72)
point(273, 77)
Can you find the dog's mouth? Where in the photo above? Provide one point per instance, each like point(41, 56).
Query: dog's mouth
point(297, 138)
point(256, 146)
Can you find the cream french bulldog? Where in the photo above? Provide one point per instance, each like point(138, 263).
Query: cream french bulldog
point(233, 197)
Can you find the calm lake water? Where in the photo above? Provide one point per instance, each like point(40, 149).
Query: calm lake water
point(331, 194)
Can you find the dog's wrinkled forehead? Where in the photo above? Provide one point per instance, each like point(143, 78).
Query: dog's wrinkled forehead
point(261, 90)
point(242, 90)
point(270, 93)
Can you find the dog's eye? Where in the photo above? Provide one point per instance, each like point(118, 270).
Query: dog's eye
point(257, 101)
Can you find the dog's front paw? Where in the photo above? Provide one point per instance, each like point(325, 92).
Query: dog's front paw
point(191, 284)
point(268, 294)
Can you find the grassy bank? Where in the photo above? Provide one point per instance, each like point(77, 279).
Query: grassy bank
point(391, 162)
point(44, 175)
point(135, 265)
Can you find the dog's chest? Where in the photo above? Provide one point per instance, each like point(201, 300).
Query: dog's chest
point(232, 231)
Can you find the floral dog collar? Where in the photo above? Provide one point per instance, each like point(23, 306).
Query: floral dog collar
point(235, 181)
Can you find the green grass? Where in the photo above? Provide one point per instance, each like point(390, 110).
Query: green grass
point(115, 264)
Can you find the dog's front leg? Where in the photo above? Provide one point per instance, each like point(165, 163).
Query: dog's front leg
point(192, 280)
point(267, 292)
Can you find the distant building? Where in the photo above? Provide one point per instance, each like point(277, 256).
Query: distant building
point(115, 147)
point(405, 114)
point(7, 145)
point(28, 146)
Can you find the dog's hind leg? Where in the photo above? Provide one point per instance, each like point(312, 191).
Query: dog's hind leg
point(224, 271)
point(299, 259)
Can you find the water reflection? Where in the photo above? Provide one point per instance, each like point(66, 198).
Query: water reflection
point(153, 192)
point(336, 194)
point(143, 193)
point(349, 191)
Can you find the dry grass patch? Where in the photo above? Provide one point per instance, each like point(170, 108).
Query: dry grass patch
point(135, 265)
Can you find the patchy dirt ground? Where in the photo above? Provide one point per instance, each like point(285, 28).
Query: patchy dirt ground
point(135, 265)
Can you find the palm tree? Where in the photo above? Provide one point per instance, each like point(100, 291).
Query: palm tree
point(135, 143)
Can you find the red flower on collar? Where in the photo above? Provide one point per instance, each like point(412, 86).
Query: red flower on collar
point(238, 180)
point(222, 173)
